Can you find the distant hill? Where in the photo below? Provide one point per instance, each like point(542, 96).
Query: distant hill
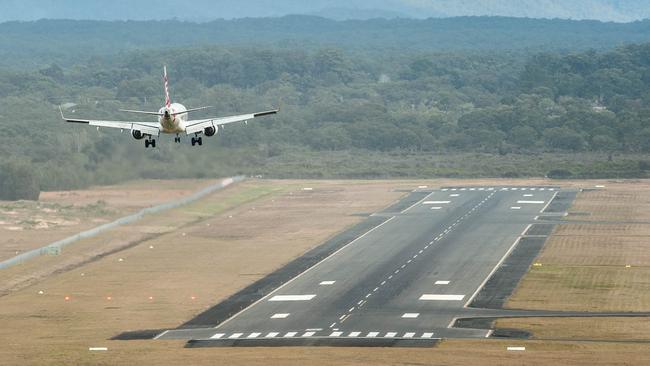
point(28, 44)
point(206, 10)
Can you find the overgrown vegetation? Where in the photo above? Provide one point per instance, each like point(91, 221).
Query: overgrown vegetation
point(345, 113)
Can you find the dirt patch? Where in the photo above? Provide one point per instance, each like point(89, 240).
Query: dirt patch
point(58, 215)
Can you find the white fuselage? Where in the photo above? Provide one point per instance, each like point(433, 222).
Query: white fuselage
point(173, 120)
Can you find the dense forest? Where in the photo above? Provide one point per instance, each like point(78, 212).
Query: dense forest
point(67, 42)
point(344, 113)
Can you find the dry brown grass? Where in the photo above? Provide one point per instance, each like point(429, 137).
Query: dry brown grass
point(572, 329)
point(602, 266)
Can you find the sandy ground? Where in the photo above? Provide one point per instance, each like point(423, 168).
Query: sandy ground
point(173, 265)
point(28, 225)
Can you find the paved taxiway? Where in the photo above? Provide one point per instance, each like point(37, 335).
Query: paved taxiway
point(408, 278)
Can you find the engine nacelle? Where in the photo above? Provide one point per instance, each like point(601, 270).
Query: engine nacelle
point(210, 131)
point(137, 135)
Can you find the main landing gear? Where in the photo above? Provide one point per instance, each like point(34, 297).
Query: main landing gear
point(197, 140)
point(149, 142)
point(177, 139)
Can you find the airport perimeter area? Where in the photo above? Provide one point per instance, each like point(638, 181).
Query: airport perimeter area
point(559, 268)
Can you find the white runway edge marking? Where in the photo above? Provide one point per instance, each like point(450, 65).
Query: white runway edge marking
point(292, 297)
point(436, 297)
point(442, 282)
point(327, 283)
point(454, 195)
point(435, 202)
point(280, 316)
point(217, 336)
point(532, 202)
point(410, 315)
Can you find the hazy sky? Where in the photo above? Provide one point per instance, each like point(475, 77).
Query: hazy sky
point(608, 10)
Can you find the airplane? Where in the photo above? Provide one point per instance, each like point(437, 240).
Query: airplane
point(172, 119)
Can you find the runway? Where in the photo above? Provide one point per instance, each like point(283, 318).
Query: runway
point(406, 280)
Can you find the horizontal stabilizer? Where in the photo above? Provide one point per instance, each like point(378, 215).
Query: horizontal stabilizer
point(142, 112)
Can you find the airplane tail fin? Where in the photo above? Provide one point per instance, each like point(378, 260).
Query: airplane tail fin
point(168, 101)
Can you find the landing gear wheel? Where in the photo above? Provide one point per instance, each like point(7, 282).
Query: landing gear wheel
point(153, 143)
point(193, 141)
point(177, 140)
point(200, 141)
point(146, 144)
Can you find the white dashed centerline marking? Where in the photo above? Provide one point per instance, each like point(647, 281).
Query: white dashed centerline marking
point(435, 202)
point(442, 282)
point(280, 316)
point(327, 283)
point(410, 315)
point(532, 202)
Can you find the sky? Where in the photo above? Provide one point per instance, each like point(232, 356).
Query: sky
point(205, 10)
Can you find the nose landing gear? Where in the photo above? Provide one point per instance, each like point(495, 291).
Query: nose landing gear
point(177, 139)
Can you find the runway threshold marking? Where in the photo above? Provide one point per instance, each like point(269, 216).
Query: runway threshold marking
point(292, 297)
point(217, 336)
point(439, 297)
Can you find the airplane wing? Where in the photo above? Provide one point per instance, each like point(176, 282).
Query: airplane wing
point(149, 128)
point(199, 125)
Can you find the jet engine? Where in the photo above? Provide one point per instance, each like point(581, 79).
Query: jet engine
point(210, 131)
point(137, 135)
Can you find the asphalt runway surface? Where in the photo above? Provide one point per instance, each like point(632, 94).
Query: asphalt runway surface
point(405, 280)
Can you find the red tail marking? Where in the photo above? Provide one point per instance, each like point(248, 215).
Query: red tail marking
point(168, 101)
